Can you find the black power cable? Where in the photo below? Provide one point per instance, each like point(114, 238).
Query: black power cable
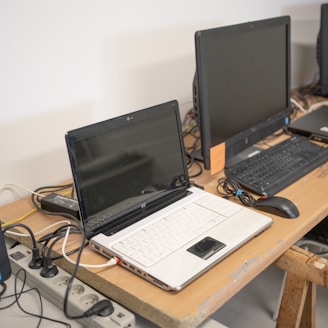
point(101, 308)
point(36, 261)
point(4, 288)
point(230, 188)
point(19, 292)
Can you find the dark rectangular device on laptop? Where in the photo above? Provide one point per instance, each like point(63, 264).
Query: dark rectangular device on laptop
point(313, 125)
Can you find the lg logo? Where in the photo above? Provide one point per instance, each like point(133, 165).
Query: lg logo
point(129, 118)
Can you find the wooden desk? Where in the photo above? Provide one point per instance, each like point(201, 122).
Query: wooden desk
point(198, 301)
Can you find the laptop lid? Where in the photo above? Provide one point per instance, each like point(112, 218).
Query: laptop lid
point(128, 166)
point(313, 125)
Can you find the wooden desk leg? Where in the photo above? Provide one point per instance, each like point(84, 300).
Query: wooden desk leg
point(297, 308)
point(308, 317)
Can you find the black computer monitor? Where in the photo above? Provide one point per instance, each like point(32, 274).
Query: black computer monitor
point(241, 87)
point(322, 51)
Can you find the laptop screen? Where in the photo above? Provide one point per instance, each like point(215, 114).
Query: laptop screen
point(131, 157)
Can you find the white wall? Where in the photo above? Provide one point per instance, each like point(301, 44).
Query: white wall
point(67, 63)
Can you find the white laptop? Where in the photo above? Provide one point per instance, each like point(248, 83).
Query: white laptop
point(132, 184)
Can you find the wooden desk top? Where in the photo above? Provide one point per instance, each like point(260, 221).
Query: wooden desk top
point(192, 305)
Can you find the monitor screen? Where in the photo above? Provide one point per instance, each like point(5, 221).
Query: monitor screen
point(322, 51)
point(242, 84)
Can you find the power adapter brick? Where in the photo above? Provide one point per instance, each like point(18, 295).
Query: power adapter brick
point(56, 203)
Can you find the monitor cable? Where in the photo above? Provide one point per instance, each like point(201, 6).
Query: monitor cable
point(230, 188)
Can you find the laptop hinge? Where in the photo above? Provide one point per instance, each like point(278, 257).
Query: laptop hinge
point(138, 214)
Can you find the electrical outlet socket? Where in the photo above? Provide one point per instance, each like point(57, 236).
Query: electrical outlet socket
point(77, 290)
point(81, 297)
point(89, 300)
point(61, 281)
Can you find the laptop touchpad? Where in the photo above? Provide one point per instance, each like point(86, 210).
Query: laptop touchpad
point(206, 247)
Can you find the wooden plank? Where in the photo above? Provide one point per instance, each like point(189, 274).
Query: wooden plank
point(304, 271)
point(293, 300)
point(297, 309)
point(309, 317)
point(305, 265)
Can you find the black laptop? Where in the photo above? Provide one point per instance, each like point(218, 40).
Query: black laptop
point(313, 125)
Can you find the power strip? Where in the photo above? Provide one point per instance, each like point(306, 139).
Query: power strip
point(81, 297)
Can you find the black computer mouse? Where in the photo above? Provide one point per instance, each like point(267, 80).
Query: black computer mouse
point(277, 205)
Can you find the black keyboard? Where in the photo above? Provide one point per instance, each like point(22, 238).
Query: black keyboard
point(275, 168)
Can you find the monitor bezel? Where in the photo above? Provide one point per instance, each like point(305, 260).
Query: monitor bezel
point(236, 143)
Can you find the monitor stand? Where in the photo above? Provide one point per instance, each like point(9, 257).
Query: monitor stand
point(197, 155)
point(247, 153)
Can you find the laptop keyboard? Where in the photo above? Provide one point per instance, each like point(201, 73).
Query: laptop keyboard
point(156, 241)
